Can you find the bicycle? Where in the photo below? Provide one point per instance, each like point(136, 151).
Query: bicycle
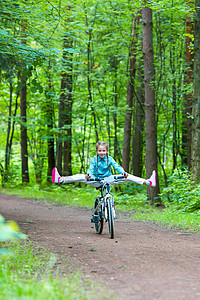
point(104, 207)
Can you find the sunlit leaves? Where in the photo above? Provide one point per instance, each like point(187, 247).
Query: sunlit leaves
point(8, 231)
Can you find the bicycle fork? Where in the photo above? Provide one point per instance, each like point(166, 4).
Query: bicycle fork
point(108, 196)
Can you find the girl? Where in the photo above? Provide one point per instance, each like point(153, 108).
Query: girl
point(100, 167)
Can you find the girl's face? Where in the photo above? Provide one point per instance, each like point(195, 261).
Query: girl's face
point(102, 151)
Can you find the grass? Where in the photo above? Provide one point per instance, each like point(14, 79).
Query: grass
point(31, 273)
point(62, 195)
point(171, 218)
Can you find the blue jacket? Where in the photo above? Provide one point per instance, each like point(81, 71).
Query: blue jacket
point(104, 167)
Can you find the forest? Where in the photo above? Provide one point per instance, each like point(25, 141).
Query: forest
point(76, 72)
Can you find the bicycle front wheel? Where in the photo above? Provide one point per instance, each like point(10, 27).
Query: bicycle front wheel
point(110, 218)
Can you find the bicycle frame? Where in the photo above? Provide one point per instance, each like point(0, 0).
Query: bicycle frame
point(104, 198)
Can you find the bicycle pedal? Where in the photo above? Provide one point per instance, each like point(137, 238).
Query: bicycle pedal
point(95, 220)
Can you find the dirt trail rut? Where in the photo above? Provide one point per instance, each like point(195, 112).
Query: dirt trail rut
point(143, 262)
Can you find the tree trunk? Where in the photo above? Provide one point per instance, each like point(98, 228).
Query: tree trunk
point(67, 155)
point(117, 155)
point(187, 111)
point(60, 136)
point(49, 109)
point(65, 113)
point(107, 113)
point(24, 148)
point(150, 120)
point(23, 105)
point(129, 99)
point(8, 146)
point(10, 132)
point(174, 118)
point(51, 154)
point(89, 68)
point(196, 98)
point(137, 141)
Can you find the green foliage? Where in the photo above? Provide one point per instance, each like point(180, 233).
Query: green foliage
point(181, 193)
point(9, 231)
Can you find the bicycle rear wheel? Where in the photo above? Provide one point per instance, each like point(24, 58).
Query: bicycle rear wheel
point(99, 212)
point(110, 218)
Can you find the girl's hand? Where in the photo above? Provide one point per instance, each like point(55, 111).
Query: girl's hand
point(125, 174)
point(87, 176)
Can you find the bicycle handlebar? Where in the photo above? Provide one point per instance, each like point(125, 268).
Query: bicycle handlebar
point(116, 177)
point(119, 177)
point(94, 179)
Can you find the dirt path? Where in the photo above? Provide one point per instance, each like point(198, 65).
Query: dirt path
point(143, 262)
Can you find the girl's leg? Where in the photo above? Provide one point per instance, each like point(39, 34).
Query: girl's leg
point(151, 181)
point(135, 179)
point(56, 178)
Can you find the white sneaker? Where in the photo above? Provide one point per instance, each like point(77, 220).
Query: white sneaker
point(56, 176)
point(152, 179)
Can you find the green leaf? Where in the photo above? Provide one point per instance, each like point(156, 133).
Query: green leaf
point(92, 249)
point(33, 89)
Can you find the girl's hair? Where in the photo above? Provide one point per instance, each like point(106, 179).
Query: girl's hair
point(104, 144)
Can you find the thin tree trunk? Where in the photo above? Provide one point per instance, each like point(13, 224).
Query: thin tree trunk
point(107, 116)
point(66, 98)
point(50, 143)
point(64, 144)
point(196, 98)
point(150, 120)
point(60, 136)
point(174, 110)
point(187, 110)
point(84, 139)
point(116, 145)
point(8, 146)
point(23, 106)
point(89, 66)
point(10, 132)
point(24, 147)
point(137, 141)
point(129, 99)
point(50, 117)
point(2, 174)
point(89, 83)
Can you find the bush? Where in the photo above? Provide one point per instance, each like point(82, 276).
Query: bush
point(8, 231)
point(182, 193)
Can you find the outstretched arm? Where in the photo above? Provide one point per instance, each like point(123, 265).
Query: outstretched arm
point(118, 168)
point(91, 169)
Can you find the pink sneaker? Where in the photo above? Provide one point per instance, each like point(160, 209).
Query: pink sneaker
point(55, 176)
point(152, 179)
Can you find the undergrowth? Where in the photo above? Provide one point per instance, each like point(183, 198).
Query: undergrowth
point(32, 273)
